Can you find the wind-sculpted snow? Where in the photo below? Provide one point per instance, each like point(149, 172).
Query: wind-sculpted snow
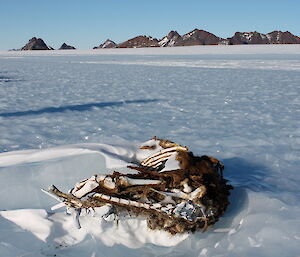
point(85, 113)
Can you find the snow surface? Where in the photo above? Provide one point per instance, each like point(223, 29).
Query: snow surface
point(67, 115)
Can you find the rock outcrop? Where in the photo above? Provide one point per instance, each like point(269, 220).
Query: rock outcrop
point(195, 37)
point(241, 38)
point(200, 37)
point(107, 44)
point(279, 37)
point(64, 46)
point(275, 37)
point(140, 41)
point(36, 44)
point(172, 39)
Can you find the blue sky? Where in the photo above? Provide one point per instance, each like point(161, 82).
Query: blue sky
point(87, 23)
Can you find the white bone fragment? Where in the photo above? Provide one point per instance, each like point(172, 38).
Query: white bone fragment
point(58, 206)
point(134, 203)
point(115, 199)
point(164, 154)
point(196, 193)
point(100, 178)
point(158, 154)
point(51, 194)
point(156, 205)
point(143, 181)
point(186, 188)
point(145, 205)
point(108, 183)
point(89, 186)
point(105, 197)
point(124, 201)
point(158, 159)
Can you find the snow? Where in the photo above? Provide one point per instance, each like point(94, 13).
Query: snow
point(164, 41)
point(68, 115)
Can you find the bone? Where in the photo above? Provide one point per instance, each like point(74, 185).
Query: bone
point(159, 158)
point(89, 186)
point(124, 201)
point(104, 197)
point(115, 199)
point(108, 183)
point(161, 152)
point(143, 181)
point(58, 206)
point(100, 178)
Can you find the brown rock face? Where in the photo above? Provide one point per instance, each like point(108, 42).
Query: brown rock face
point(275, 37)
point(64, 46)
point(279, 37)
point(35, 44)
point(139, 41)
point(107, 44)
point(241, 38)
point(172, 39)
point(200, 37)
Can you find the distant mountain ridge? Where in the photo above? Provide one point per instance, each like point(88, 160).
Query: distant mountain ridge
point(173, 38)
point(202, 37)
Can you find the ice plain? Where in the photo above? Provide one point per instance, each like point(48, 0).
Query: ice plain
point(65, 115)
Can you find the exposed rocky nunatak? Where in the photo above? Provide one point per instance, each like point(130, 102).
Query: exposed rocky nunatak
point(172, 39)
point(64, 46)
point(275, 37)
point(200, 37)
point(279, 37)
point(139, 41)
point(107, 44)
point(36, 44)
point(240, 38)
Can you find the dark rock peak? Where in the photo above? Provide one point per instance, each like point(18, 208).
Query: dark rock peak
point(275, 37)
point(200, 37)
point(172, 39)
point(107, 44)
point(279, 37)
point(64, 46)
point(248, 38)
point(35, 44)
point(172, 34)
point(139, 41)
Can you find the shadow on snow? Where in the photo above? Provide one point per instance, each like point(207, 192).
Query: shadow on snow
point(79, 107)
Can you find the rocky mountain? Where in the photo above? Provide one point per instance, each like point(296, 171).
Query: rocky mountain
point(200, 37)
point(64, 46)
point(172, 39)
point(36, 44)
point(275, 37)
point(279, 37)
point(107, 44)
point(195, 37)
point(240, 38)
point(139, 41)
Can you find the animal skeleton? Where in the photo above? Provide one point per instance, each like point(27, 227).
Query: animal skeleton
point(189, 198)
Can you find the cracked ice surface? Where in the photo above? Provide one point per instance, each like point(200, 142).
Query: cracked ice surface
point(84, 113)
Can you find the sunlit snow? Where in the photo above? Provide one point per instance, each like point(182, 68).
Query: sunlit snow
point(67, 115)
